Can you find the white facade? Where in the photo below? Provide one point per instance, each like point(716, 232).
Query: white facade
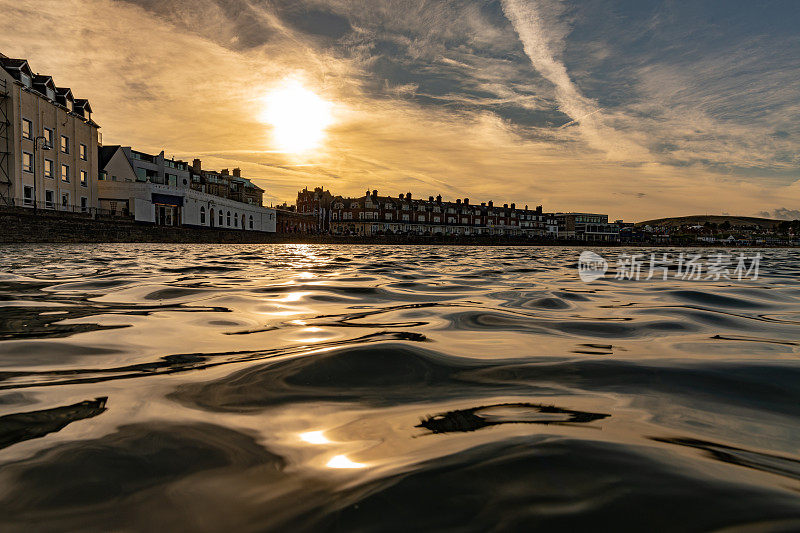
point(181, 206)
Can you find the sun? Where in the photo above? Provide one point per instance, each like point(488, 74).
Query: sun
point(298, 116)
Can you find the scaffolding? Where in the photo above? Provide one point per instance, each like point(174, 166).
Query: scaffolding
point(5, 145)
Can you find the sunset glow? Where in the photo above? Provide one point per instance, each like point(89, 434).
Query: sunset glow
point(298, 117)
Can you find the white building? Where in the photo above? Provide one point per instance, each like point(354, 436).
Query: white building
point(166, 204)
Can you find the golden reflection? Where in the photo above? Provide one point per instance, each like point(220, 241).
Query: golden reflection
point(342, 461)
point(314, 437)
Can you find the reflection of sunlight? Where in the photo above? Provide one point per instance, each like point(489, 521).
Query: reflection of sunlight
point(341, 461)
point(315, 437)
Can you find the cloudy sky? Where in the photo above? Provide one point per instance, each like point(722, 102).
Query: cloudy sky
point(635, 108)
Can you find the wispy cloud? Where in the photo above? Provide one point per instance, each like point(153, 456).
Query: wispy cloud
point(571, 104)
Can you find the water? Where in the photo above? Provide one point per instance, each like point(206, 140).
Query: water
point(247, 388)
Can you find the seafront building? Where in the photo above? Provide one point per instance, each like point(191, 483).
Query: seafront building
point(48, 142)
point(373, 214)
point(587, 227)
point(168, 192)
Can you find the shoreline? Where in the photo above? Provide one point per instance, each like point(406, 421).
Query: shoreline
point(55, 227)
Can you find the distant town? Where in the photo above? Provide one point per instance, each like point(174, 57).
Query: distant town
point(53, 162)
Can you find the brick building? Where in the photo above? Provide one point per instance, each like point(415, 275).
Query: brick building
point(316, 203)
point(290, 221)
point(373, 214)
point(225, 185)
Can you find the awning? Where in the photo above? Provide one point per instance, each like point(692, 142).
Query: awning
point(167, 199)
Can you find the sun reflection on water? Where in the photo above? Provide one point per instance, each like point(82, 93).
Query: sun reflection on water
point(314, 437)
point(342, 461)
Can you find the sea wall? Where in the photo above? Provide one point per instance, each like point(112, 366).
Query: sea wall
point(19, 225)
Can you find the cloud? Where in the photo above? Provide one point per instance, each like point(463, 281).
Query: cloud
point(633, 109)
point(781, 213)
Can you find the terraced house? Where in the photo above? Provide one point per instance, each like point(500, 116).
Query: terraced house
point(48, 142)
point(372, 214)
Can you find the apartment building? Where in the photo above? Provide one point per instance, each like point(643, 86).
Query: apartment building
point(373, 214)
point(316, 204)
point(586, 227)
point(225, 185)
point(48, 142)
point(155, 190)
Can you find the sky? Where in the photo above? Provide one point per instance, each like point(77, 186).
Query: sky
point(635, 108)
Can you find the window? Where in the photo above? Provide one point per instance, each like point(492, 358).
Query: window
point(84, 204)
point(84, 179)
point(48, 168)
point(220, 218)
point(27, 162)
point(202, 215)
point(27, 129)
point(48, 137)
point(251, 221)
point(228, 218)
point(27, 195)
point(235, 221)
point(49, 199)
point(65, 173)
point(82, 152)
point(64, 200)
point(26, 80)
point(65, 144)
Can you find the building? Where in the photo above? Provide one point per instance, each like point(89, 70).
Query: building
point(158, 169)
point(586, 227)
point(316, 203)
point(48, 142)
point(225, 185)
point(373, 214)
point(160, 191)
point(290, 221)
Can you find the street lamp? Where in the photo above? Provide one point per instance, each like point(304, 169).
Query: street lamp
point(45, 146)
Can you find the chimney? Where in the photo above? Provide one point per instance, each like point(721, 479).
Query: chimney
point(224, 171)
point(483, 204)
point(491, 203)
point(458, 201)
point(466, 201)
point(430, 198)
point(375, 193)
point(196, 166)
point(439, 198)
point(408, 196)
point(513, 206)
point(366, 193)
point(505, 206)
point(526, 207)
point(401, 196)
point(539, 209)
point(237, 172)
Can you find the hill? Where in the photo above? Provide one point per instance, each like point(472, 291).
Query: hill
point(693, 220)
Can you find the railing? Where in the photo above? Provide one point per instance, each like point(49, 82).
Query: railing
point(48, 207)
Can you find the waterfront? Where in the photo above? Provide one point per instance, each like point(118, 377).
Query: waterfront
point(252, 387)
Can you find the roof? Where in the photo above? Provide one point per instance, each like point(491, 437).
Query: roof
point(15, 66)
point(64, 91)
point(84, 103)
point(105, 153)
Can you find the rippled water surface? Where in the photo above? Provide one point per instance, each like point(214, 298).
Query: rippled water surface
point(248, 388)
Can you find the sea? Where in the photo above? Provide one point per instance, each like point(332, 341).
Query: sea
point(170, 387)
